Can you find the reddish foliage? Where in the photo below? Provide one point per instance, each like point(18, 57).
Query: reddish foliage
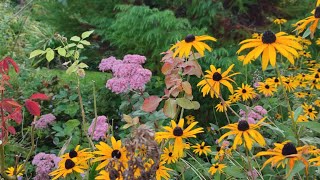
point(39, 96)
point(33, 107)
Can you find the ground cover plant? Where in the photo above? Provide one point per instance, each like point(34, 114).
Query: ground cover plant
point(239, 105)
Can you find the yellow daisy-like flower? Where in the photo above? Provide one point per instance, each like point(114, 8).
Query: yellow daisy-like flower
point(217, 167)
point(190, 119)
point(278, 116)
point(244, 132)
point(284, 154)
point(289, 83)
point(318, 41)
point(105, 175)
point(314, 84)
point(213, 80)
point(246, 92)
point(223, 106)
point(266, 88)
point(256, 35)
point(106, 153)
point(184, 47)
point(268, 45)
point(178, 133)
point(317, 102)
point(12, 172)
point(311, 22)
point(310, 111)
point(77, 154)
point(234, 98)
point(69, 166)
point(168, 155)
point(201, 149)
point(162, 172)
point(305, 54)
point(274, 81)
point(279, 21)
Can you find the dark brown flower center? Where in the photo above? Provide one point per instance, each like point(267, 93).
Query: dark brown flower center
point(170, 154)
point(317, 12)
point(116, 154)
point(310, 110)
point(216, 166)
point(189, 38)
point(218, 148)
point(289, 149)
point(243, 125)
point(73, 153)
point(318, 70)
point(267, 86)
point(268, 37)
point(244, 91)
point(69, 164)
point(276, 80)
point(201, 147)
point(216, 76)
point(177, 131)
point(316, 76)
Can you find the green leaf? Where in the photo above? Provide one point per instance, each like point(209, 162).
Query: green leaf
point(298, 166)
point(170, 108)
point(50, 54)
point(75, 38)
point(306, 33)
point(85, 42)
point(185, 103)
point(314, 126)
point(297, 113)
point(234, 171)
point(36, 53)
point(71, 125)
point(86, 34)
point(70, 45)
point(76, 55)
point(289, 134)
point(80, 46)
point(62, 52)
point(196, 105)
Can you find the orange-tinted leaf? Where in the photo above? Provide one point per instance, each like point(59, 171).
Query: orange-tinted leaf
point(33, 107)
point(170, 108)
point(151, 103)
point(167, 68)
point(39, 96)
point(187, 87)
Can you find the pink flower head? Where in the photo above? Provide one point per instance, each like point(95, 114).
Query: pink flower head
point(45, 164)
point(260, 110)
point(44, 121)
point(134, 58)
point(101, 128)
point(126, 70)
point(117, 85)
point(107, 64)
point(141, 77)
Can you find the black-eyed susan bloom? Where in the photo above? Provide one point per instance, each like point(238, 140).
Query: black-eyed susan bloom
point(244, 133)
point(274, 81)
point(279, 21)
point(222, 106)
point(76, 154)
point(234, 98)
point(201, 149)
point(168, 155)
point(266, 88)
point(190, 119)
point(310, 111)
point(310, 23)
point(216, 168)
point(284, 154)
point(214, 78)
point(69, 166)
point(184, 47)
point(178, 133)
point(162, 171)
point(11, 171)
point(268, 45)
point(104, 175)
point(106, 153)
point(245, 92)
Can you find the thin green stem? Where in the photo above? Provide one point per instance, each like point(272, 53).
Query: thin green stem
point(95, 109)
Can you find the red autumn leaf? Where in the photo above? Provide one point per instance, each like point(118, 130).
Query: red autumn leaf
point(11, 102)
point(13, 63)
point(33, 107)
point(39, 96)
point(151, 103)
point(11, 130)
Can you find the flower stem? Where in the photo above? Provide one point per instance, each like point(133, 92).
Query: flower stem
point(95, 109)
point(294, 124)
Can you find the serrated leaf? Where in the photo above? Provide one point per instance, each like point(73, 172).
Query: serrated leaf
point(170, 108)
point(80, 46)
point(85, 42)
point(36, 53)
point(62, 52)
point(185, 103)
point(86, 34)
point(49, 54)
point(75, 38)
point(315, 126)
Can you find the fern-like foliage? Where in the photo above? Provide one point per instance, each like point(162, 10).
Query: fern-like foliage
point(142, 30)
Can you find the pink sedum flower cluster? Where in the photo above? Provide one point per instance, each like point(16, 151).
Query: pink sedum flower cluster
point(45, 164)
point(100, 129)
point(44, 121)
point(128, 74)
point(253, 115)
